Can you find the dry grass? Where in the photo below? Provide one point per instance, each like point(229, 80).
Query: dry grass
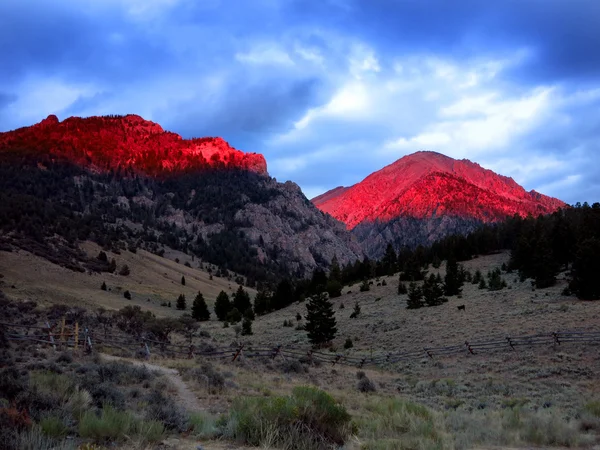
point(153, 280)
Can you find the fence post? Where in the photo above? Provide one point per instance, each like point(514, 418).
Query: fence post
point(510, 343)
point(428, 352)
point(238, 353)
point(50, 336)
point(469, 348)
point(556, 340)
point(62, 333)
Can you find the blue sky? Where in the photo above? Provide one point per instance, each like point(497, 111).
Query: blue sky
point(331, 90)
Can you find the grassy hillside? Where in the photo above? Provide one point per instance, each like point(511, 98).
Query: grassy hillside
point(153, 280)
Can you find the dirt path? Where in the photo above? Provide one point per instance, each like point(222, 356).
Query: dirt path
point(185, 396)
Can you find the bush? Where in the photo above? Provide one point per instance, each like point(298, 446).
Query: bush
point(53, 427)
point(364, 287)
point(204, 425)
point(309, 418)
point(165, 410)
point(127, 295)
point(348, 344)
point(366, 385)
point(118, 425)
point(124, 270)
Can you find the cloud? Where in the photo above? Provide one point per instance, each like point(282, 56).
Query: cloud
point(328, 90)
point(265, 54)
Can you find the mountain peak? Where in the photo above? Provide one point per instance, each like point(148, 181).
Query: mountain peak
point(130, 141)
point(427, 184)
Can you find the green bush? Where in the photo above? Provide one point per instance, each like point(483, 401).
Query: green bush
point(116, 425)
point(308, 419)
point(53, 427)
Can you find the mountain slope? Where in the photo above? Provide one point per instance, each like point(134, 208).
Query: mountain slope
point(106, 181)
point(428, 184)
point(432, 195)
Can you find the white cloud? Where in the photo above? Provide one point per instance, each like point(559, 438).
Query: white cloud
point(265, 54)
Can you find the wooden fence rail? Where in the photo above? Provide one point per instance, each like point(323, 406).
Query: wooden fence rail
point(86, 338)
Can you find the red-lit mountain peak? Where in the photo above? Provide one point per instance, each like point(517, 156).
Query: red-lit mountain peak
point(429, 184)
point(111, 142)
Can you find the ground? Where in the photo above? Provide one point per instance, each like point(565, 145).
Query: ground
point(531, 396)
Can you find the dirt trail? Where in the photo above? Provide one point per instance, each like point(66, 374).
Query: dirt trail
point(185, 396)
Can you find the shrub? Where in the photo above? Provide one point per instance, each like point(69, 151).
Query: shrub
point(348, 344)
point(103, 287)
point(124, 270)
point(53, 427)
point(366, 385)
point(118, 425)
point(165, 410)
point(65, 357)
point(364, 287)
point(127, 295)
point(309, 418)
point(204, 425)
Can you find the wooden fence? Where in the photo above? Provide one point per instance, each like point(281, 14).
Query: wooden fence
point(60, 336)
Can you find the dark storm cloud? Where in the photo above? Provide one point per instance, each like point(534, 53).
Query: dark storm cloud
point(563, 35)
point(245, 112)
point(53, 38)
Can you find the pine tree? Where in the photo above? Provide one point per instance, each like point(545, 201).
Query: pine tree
point(586, 267)
point(182, 280)
point(222, 306)
point(262, 302)
point(200, 311)
point(433, 293)
point(320, 320)
point(103, 287)
point(415, 297)
point(453, 280)
point(356, 311)
point(335, 273)
point(544, 265)
point(241, 300)
point(246, 326)
point(181, 303)
point(389, 260)
point(401, 287)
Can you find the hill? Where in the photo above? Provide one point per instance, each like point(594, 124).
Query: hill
point(424, 196)
point(124, 183)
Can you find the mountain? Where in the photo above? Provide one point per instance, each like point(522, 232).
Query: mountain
point(425, 196)
point(124, 183)
point(118, 142)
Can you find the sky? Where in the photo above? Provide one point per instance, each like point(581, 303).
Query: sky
point(328, 90)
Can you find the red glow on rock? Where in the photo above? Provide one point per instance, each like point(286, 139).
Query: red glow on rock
point(111, 142)
point(428, 184)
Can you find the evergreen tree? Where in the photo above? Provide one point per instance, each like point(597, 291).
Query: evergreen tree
point(586, 270)
point(415, 297)
point(241, 300)
point(234, 315)
point(182, 280)
point(181, 303)
point(356, 311)
point(401, 287)
point(482, 284)
point(335, 273)
point(495, 281)
point(433, 293)
point(103, 287)
point(246, 326)
point(320, 320)
point(477, 277)
point(364, 287)
point(262, 302)
point(452, 280)
point(200, 311)
point(544, 266)
point(283, 296)
point(389, 260)
point(222, 306)
point(127, 295)
point(334, 288)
